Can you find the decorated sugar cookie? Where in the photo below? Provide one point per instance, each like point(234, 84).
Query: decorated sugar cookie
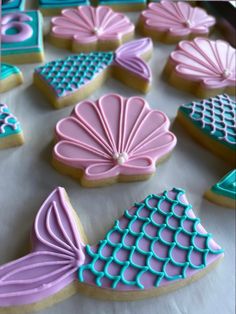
point(158, 245)
point(124, 5)
point(53, 7)
point(223, 192)
point(10, 76)
point(113, 139)
point(66, 81)
point(170, 21)
point(11, 133)
point(21, 37)
point(87, 28)
point(204, 67)
point(212, 122)
point(12, 5)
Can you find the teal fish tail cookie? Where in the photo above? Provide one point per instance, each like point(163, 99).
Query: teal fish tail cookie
point(11, 133)
point(158, 245)
point(224, 192)
point(22, 37)
point(13, 5)
point(10, 76)
point(52, 7)
point(69, 80)
point(212, 122)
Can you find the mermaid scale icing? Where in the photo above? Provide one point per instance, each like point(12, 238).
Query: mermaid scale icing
point(87, 24)
point(9, 125)
point(156, 242)
point(216, 116)
point(212, 63)
point(8, 70)
point(113, 136)
point(178, 18)
point(66, 76)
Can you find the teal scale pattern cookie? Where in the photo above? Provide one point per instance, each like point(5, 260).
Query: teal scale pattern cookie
point(9, 125)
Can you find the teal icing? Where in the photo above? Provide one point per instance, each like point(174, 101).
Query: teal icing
point(51, 4)
point(8, 70)
point(215, 116)
point(13, 5)
point(65, 76)
point(32, 45)
point(137, 217)
point(227, 185)
point(9, 125)
point(121, 2)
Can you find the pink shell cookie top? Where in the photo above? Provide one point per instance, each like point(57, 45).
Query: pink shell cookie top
point(88, 25)
point(179, 19)
point(211, 63)
point(157, 243)
point(113, 137)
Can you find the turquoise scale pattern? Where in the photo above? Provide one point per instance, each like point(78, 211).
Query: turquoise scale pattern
point(8, 123)
point(216, 116)
point(158, 213)
point(65, 76)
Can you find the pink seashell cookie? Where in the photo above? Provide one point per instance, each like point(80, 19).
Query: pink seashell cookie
point(204, 67)
point(170, 21)
point(113, 139)
point(87, 28)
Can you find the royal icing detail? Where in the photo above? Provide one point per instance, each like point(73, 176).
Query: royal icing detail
point(88, 25)
point(61, 4)
point(12, 5)
point(226, 186)
point(123, 3)
point(7, 70)
point(9, 125)
point(66, 76)
point(28, 37)
point(156, 242)
point(216, 117)
point(113, 137)
point(212, 63)
point(179, 19)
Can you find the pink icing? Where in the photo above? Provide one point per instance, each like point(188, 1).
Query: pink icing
point(16, 21)
point(87, 24)
point(56, 255)
point(113, 136)
point(213, 63)
point(178, 18)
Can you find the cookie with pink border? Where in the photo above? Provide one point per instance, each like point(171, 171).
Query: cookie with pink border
point(66, 81)
point(158, 245)
point(170, 21)
point(88, 28)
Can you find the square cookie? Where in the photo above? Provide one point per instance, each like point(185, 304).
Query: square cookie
point(13, 5)
point(52, 7)
point(22, 37)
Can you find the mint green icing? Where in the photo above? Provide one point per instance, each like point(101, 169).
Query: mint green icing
point(8, 70)
point(32, 45)
point(156, 212)
point(227, 185)
point(216, 117)
point(9, 125)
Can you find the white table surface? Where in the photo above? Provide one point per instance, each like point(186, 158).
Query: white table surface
point(27, 178)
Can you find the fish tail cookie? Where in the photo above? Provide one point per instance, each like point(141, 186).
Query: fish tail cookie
point(10, 77)
point(212, 122)
point(88, 28)
point(223, 192)
point(203, 67)
point(11, 133)
point(158, 245)
point(111, 140)
point(69, 80)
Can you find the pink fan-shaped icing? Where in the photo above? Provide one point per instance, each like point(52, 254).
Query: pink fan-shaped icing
point(178, 18)
point(113, 136)
point(213, 63)
point(56, 255)
point(87, 24)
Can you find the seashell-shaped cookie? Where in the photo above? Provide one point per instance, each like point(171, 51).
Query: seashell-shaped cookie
point(87, 28)
point(170, 21)
point(113, 139)
point(203, 67)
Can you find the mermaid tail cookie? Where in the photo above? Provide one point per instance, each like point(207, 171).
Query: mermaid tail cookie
point(157, 245)
point(68, 80)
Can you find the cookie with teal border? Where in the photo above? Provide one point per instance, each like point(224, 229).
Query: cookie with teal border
point(52, 7)
point(10, 77)
point(13, 5)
